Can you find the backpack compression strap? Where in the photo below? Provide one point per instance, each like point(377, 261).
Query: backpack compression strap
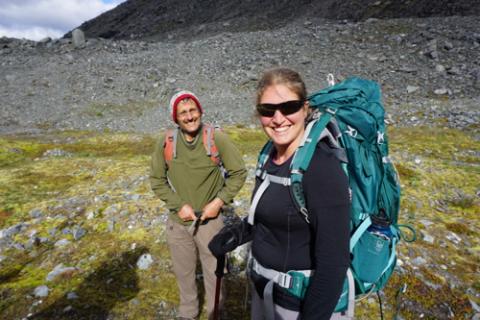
point(208, 140)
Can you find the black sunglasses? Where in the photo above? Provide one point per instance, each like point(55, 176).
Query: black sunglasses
point(286, 108)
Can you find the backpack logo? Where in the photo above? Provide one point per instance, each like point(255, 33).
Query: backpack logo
point(379, 244)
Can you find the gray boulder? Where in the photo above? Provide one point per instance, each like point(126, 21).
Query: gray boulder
point(78, 38)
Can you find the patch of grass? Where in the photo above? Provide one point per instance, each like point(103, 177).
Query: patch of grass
point(428, 295)
point(18, 150)
point(32, 184)
point(459, 228)
point(104, 169)
point(449, 145)
point(248, 141)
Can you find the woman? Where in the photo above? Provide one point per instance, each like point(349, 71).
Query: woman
point(282, 240)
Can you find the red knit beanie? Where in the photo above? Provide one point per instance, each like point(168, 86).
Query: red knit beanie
point(179, 96)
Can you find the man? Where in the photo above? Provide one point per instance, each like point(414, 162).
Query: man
point(189, 181)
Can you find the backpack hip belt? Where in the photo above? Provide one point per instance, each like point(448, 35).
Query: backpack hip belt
point(296, 282)
point(286, 280)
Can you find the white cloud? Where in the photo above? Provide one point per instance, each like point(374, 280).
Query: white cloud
point(36, 19)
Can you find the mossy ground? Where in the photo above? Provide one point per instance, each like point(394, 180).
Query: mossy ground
point(103, 177)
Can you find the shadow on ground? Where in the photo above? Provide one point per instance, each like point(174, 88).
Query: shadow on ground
point(113, 282)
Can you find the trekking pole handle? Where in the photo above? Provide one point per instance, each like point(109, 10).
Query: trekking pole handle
point(220, 266)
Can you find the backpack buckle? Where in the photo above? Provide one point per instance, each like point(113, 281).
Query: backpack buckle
point(298, 284)
point(380, 137)
point(315, 115)
point(260, 173)
point(304, 212)
point(331, 111)
point(352, 132)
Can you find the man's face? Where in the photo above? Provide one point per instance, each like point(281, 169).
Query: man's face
point(189, 118)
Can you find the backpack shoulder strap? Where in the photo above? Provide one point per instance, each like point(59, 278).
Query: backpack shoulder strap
point(170, 145)
point(208, 138)
point(303, 156)
point(262, 175)
point(263, 158)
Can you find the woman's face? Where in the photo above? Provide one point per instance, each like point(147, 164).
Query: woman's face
point(286, 131)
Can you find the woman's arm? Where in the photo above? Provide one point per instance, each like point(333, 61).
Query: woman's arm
point(327, 197)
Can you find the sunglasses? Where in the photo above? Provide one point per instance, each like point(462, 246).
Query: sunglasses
point(286, 108)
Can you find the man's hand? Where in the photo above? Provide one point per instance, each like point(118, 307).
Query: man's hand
point(186, 213)
point(212, 209)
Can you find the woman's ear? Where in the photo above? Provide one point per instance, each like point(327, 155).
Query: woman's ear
point(306, 107)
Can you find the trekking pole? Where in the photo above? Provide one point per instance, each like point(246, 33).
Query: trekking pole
point(219, 274)
point(195, 223)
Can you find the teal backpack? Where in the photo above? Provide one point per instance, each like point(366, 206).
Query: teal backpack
point(350, 115)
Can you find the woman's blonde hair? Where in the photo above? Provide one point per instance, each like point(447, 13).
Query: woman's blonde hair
point(291, 79)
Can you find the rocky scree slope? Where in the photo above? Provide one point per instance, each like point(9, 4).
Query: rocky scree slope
point(429, 70)
point(169, 19)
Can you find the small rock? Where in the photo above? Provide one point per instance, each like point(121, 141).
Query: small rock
point(411, 89)
point(439, 68)
point(13, 230)
point(36, 213)
point(62, 243)
point(90, 215)
point(78, 233)
point(72, 296)
point(441, 91)
point(432, 54)
point(428, 238)
point(58, 270)
point(144, 261)
point(447, 45)
point(419, 261)
point(454, 71)
point(41, 291)
point(454, 238)
point(426, 222)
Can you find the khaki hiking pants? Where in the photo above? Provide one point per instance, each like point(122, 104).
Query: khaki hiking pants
point(184, 249)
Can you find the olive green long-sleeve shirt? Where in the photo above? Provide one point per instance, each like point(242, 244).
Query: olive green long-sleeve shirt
point(192, 177)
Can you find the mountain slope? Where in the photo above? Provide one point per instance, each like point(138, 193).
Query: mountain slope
point(169, 19)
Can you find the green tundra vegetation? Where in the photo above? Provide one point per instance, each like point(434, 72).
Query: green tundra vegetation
point(99, 181)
